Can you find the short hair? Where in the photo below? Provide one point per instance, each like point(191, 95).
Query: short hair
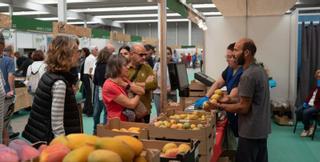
point(37, 55)
point(170, 50)
point(114, 65)
point(231, 46)
point(60, 54)
point(103, 56)
point(124, 47)
point(93, 47)
point(250, 46)
point(149, 47)
point(86, 51)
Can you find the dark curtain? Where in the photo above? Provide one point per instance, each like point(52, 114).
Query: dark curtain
point(310, 60)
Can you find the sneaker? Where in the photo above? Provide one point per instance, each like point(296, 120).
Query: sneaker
point(304, 133)
point(311, 130)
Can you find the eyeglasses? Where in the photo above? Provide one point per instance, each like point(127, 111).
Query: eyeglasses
point(141, 54)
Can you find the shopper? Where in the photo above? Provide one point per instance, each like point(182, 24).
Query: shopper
point(142, 74)
point(194, 60)
point(200, 59)
point(310, 107)
point(98, 80)
point(150, 57)
point(114, 91)
point(54, 110)
point(230, 78)
point(2, 112)
point(20, 59)
point(88, 72)
point(124, 51)
point(171, 95)
point(7, 68)
point(253, 105)
point(189, 59)
point(175, 56)
point(35, 71)
point(22, 70)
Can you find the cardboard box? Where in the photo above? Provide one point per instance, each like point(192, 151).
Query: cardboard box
point(283, 120)
point(191, 156)
point(151, 155)
point(204, 135)
point(62, 27)
point(106, 130)
point(195, 85)
point(23, 99)
point(190, 100)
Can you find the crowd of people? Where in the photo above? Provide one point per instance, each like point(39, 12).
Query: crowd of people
point(123, 84)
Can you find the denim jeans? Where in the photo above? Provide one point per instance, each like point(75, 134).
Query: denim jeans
point(306, 115)
point(97, 109)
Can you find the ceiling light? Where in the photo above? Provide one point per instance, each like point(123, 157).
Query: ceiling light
point(27, 13)
point(149, 21)
point(82, 22)
point(3, 5)
point(210, 5)
point(135, 8)
point(134, 16)
point(54, 18)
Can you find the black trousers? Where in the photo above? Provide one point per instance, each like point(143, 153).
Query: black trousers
point(88, 107)
point(252, 150)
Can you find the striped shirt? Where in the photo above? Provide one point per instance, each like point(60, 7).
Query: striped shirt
point(57, 112)
point(2, 97)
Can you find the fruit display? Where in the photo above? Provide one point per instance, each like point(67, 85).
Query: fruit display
point(213, 99)
point(185, 121)
point(171, 150)
point(83, 148)
point(130, 130)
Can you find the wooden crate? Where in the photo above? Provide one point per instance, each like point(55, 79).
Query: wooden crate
point(197, 89)
point(191, 156)
point(204, 135)
point(106, 130)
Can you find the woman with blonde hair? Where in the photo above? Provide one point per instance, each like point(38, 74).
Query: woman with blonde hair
point(54, 110)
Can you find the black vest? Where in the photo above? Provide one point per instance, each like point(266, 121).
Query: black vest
point(39, 127)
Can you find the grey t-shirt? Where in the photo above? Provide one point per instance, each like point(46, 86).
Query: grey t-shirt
point(256, 124)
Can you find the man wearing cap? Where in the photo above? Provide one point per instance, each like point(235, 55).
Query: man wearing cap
point(7, 68)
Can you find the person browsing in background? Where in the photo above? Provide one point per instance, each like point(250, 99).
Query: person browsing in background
point(7, 68)
point(114, 91)
point(310, 107)
point(88, 71)
point(150, 51)
point(98, 80)
point(172, 95)
point(35, 71)
point(54, 110)
point(142, 74)
point(124, 51)
point(230, 78)
point(252, 105)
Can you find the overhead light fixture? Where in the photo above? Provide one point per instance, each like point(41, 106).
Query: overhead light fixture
point(135, 8)
point(150, 21)
point(3, 5)
point(81, 22)
point(20, 13)
point(149, 15)
point(53, 18)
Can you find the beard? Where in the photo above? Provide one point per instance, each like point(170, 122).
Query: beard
point(241, 60)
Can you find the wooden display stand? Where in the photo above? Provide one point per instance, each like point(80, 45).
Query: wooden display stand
point(23, 99)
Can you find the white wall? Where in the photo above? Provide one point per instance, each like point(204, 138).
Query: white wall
point(272, 37)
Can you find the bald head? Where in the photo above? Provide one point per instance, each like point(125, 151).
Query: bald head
point(247, 44)
point(110, 47)
point(138, 54)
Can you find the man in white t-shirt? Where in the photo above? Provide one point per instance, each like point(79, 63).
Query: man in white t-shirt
point(88, 70)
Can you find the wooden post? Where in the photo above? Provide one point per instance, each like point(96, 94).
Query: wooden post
point(162, 34)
